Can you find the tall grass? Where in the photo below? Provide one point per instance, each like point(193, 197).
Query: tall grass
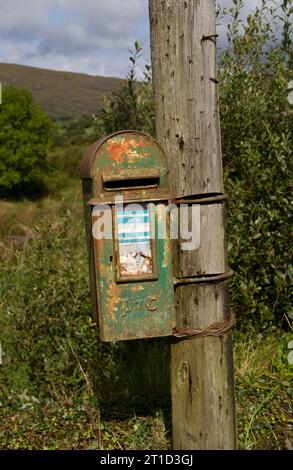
point(55, 373)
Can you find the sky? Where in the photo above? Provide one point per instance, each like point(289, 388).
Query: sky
point(87, 36)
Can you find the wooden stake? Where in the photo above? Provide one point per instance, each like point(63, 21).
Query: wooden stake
point(183, 43)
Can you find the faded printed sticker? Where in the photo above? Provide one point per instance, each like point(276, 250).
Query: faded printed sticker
point(134, 239)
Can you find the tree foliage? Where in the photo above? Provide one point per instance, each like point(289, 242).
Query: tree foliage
point(256, 122)
point(132, 106)
point(25, 133)
point(257, 141)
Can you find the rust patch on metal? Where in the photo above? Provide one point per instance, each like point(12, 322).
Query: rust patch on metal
point(136, 288)
point(131, 305)
point(113, 298)
point(117, 150)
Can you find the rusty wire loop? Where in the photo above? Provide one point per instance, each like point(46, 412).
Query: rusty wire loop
point(216, 330)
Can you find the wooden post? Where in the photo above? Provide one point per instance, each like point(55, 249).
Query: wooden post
point(183, 44)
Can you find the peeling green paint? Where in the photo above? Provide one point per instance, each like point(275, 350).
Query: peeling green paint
point(140, 308)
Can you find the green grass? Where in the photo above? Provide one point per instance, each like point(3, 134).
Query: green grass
point(263, 379)
point(62, 389)
point(264, 410)
point(20, 220)
point(79, 427)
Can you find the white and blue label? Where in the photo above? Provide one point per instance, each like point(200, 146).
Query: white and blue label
point(134, 239)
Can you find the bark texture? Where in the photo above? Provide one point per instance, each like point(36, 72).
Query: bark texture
point(183, 46)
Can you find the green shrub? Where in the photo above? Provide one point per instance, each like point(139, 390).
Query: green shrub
point(46, 318)
point(25, 133)
point(67, 159)
point(48, 336)
point(130, 108)
point(71, 137)
point(257, 142)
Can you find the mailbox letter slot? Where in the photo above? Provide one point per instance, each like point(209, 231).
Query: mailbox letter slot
point(136, 181)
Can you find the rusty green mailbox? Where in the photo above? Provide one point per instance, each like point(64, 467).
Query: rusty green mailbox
point(125, 189)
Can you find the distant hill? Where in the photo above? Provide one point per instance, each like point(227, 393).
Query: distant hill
point(62, 95)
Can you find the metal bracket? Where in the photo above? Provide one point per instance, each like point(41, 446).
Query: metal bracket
point(203, 279)
point(201, 199)
point(210, 37)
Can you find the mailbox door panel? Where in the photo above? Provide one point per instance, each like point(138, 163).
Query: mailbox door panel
point(135, 298)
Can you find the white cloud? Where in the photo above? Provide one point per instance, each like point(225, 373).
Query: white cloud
point(90, 36)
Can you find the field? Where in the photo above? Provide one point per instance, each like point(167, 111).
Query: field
point(115, 397)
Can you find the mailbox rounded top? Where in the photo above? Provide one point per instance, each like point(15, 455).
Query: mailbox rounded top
point(129, 163)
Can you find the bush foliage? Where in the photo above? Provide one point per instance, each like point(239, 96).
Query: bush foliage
point(25, 133)
point(257, 142)
point(257, 136)
point(47, 312)
point(56, 375)
point(131, 107)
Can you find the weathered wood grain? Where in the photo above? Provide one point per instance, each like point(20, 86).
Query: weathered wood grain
point(186, 97)
point(187, 124)
point(210, 256)
point(202, 373)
